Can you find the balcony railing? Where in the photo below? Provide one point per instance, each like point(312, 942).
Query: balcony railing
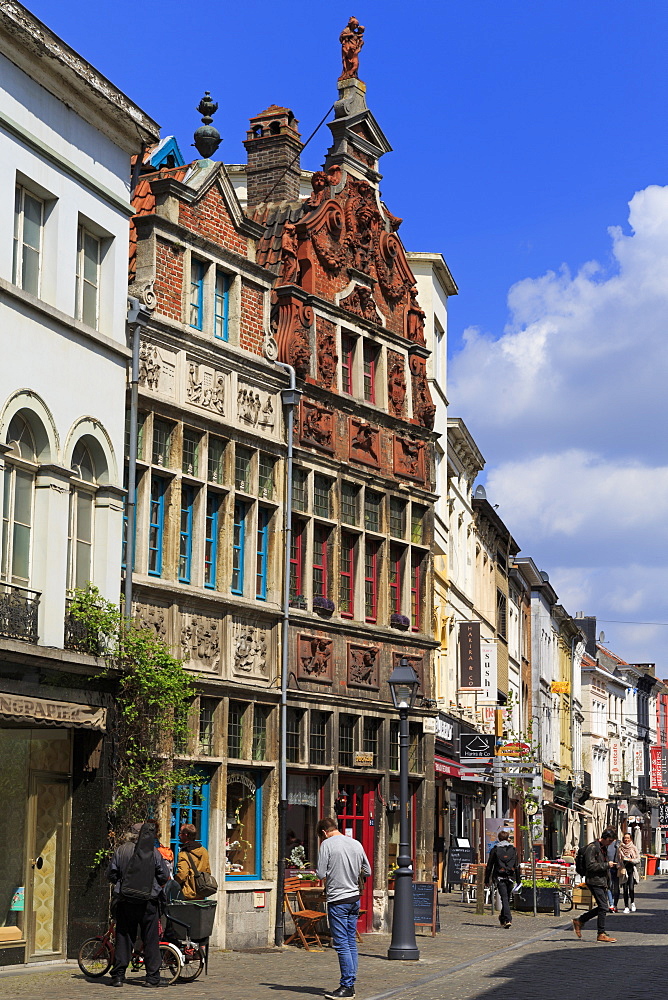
point(78, 637)
point(19, 609)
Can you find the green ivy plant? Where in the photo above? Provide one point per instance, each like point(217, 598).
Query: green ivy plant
point(153, 695)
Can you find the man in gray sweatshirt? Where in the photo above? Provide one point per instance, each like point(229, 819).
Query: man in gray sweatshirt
point(341, 861)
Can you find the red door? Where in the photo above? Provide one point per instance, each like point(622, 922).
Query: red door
point(357, 820)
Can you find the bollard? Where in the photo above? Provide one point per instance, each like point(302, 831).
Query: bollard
point(480, 889)
point(557, 904)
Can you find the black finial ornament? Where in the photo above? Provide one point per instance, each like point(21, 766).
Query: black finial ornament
point(207, 138)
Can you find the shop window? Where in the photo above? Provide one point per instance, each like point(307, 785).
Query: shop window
point(397, 517)
point(346, 740)
point(262, 553)
point(301, 820)
point(320, 561)
point(186, 533)
point(259, 746)
point(28, 230)
point(349, 503)
point(347, 575)
point(190, 458)
point(221, 305)
point(372, 511)
point(215, 460)
point(211, 540)
point(207, 707)
point(243, 845)
point(162, 441)
point(156, 526)
point(242, 468)
point(196, 311)
point(322, 496)
point(190, 804)
point(238, 547)
point(293, 735)
point(370, 732)
point(266, 476)
point(318, 737)
point(235, 729)
point(299, 489)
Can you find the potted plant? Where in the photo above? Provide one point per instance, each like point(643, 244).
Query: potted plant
point(544, 895)
point(399, 621)
point(390, 874)
point(323, 604)
point(298, 602)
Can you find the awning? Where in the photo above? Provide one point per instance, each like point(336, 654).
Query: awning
point(66, 714)
point(446, 768)
point(555, 805)
point(588, 812)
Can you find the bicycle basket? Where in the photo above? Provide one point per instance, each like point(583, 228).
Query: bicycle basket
point(198, 914)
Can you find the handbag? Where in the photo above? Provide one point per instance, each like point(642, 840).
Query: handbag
point(205, 882)
point(623, 876)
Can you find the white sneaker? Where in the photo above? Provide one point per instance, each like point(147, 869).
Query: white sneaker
point(626, 909)
point(633, 907)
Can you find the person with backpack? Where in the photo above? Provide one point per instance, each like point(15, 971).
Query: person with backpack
point(593, 863)
point(193, 870)
point(503, 870)
point(138, 872)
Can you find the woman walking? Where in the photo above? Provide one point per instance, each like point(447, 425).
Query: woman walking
point(629, 858)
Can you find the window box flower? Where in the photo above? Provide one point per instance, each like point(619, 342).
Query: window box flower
point(399, 621)
point(298, 602)
point(323, 604)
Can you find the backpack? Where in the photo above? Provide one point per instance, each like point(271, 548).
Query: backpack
point(205, 882)
point(137, 883)
point(506, 859)
point(580, 861)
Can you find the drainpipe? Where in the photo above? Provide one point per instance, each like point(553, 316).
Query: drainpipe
point(290, 398)
point(138, 316)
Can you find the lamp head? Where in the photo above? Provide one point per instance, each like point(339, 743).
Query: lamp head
point(404, 684)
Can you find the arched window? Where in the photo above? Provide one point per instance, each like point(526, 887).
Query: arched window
point(82, 510)
point(18, 502)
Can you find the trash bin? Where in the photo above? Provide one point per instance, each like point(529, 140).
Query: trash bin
point(652, 860)
point(197, 914)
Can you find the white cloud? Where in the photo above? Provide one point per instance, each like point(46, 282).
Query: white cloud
point(568, 406)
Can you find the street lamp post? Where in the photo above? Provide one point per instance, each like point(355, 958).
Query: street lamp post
point(404, 683)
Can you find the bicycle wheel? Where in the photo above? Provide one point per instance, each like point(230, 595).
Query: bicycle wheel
point(193, 962)
point(170, 963)
point(565, 900)
point(95, 957)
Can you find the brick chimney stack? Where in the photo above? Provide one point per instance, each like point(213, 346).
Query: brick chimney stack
point(273, 145)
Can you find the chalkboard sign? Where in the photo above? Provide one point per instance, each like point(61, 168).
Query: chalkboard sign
point(458, 856)
point(425, 905)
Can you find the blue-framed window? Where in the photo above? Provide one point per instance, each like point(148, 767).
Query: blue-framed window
point(238, 547)
point(156, 525)
point(186, 533)
point(244, 826)
point(211, 540)
point(262, 552)
point(197, 272)
point(190, 804)
point(221, 305)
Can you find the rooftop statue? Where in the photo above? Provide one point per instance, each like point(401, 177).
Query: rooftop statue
point(351, 44)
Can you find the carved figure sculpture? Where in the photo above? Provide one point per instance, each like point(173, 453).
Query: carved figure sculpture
point(328, 359)
point(266, 418)
point(318, 183)
point(424, 410)
point(415, 320)
point(314, 654)
point(194, 388)
point(364, 440)
point(317, 426)
point(217, 395)
point(250, 650)
point(362, 665)
point(149, 366)
point(289, 245)
point(396, 388)
point(352, 40)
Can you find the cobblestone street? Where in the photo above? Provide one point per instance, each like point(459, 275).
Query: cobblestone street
point(471, 957)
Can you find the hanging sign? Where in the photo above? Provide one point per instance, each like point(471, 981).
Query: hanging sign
point(655, 765)
point(470, 678)
point(488, 651)
point(615, 757)
point(476, 748)
point(640, 760)
point(560, 687)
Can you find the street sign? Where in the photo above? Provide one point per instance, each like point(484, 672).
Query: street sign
point(476, 748)
point(514, 748)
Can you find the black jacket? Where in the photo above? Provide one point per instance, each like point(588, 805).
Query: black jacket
point(597, 869)
point(120, 862)
point(492, 869)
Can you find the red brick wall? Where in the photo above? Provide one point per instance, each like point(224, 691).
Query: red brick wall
point(169, 280)
point(209, 217)
point(251, 326)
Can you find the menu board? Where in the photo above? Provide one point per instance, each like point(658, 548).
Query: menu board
point(425, 905)
point(458, 856)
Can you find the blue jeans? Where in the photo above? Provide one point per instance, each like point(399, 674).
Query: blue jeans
point(343, 926)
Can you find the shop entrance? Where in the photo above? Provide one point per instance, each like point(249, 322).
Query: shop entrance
point(356, 815)
point(47, 866)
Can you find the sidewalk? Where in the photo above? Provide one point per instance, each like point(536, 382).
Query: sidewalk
point(469, 956)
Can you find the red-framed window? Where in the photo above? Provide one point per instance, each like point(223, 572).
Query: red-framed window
point(371, 580)
point(320, 561)
point(347, 359)
point(416, 591)
point(396, 553)
point(297, 560)
point(347, 575)
point(370, 362)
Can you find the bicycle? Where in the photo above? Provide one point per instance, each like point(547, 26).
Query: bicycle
point(565, 898)
point(96, 957)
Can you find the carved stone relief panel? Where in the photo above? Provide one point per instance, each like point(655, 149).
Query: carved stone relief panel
point(396, 383)
point(251, 649)
point(363, 666)
point(256, 409)
point(317, 426)
point(155, 617)
point(206, 387)
point(364, 442)
point(200, 641)
point(409, 458)
point(424, 410)
point(314, 658)
point(327, 357)
point(361, 303)
point(157, 368)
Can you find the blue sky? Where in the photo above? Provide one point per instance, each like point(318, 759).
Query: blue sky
point(521, 133)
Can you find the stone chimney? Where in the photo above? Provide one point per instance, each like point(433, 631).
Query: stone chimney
point(273, 145)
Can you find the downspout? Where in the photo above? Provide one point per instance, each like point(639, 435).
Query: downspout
point(138, 316)
point(290, 398)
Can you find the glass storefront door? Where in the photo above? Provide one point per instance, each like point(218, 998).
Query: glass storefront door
point(47, 866)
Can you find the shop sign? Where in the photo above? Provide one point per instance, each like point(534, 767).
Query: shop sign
point(55, 713)
point(469, 656)
point(640, 760)
point(664, 768)
point(560, 687)
point(615, 757)
point(476, 748)
point(259, 900)
point(363, 759)
point(488, 655)
point(663, 814)
point(548, 776)
point(428, 725)
point(656, 767)
point(444, 729)
point(514, 748)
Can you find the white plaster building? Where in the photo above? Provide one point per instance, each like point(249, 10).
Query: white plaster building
point(66, 140)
